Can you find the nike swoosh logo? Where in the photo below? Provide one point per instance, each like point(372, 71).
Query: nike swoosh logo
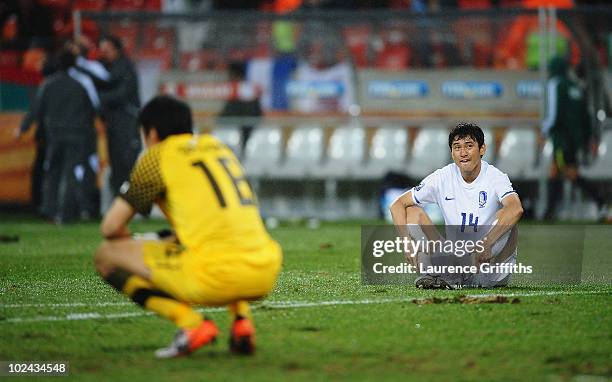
point(447, 198)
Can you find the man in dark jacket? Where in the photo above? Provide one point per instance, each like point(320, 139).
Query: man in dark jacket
point(117, 84)
point(568, 125)
point(66, 106)
point(120, 105)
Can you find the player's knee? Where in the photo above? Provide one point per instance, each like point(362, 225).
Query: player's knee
point(102, 259)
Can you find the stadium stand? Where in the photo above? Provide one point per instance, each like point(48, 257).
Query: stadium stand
point(230, 135)
point(263, 152)
point(345, 153)
point(429, 151)
point(405, 95)
point(517, 153)
point(388, 151)
point(305, 148)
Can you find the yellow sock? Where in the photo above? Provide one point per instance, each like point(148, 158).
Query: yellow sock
point(145, 294)
point(180, 313)
point(240, 309)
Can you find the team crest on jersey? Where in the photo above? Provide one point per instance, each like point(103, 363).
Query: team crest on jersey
point(482, 199)
point(418, 188)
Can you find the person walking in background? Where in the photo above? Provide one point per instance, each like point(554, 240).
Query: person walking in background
point(66, 106)
point(36, 174)
point(568, 124)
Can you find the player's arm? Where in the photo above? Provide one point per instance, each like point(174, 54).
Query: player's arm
point(34, 114)
point(398, 209)
point(425, 192)
point(506, 218)
point(145, 188)
point(116, 220)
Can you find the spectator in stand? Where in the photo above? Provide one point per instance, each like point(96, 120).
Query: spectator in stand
point(65, 105)
point(519, 46)
point(324, 78)
point(117, 82)
point(271, 74)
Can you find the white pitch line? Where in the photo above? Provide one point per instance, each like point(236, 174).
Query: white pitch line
point(67, 305)
point(302, 304)
point(275, 305)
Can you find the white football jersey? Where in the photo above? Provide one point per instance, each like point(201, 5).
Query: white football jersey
point(468, 205)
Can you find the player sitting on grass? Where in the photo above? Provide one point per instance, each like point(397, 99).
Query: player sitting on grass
point(470, 192)
point(222, 254)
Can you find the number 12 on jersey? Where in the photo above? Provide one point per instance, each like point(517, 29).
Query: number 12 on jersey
point(471, 222)
point(236, 181)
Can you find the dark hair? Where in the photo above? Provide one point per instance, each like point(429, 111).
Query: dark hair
point(114, 40)
point(167, 115)
point(464, 130)
point(65, 59)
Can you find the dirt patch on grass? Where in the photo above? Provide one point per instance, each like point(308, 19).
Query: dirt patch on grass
point(463, 299)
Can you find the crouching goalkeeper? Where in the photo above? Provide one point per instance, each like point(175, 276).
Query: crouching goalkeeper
point(222, 255)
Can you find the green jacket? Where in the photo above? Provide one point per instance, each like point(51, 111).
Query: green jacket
point(567, 119)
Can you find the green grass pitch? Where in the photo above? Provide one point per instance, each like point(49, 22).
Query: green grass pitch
point(320, 323)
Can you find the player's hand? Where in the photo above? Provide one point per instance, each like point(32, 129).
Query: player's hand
point(73, 47)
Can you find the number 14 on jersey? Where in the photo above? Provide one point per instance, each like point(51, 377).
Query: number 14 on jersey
point(471, 221)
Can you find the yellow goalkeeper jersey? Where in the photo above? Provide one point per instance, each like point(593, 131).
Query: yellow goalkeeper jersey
point(201, 188)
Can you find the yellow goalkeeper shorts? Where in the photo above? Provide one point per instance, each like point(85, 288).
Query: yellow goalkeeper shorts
point(212, 279)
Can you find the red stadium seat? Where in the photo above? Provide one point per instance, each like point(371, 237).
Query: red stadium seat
point(152, 5)
point(10, 58)
point(394, 58)
point(126, 4)
point(155, 38)
point(262, 50)
point(128, 34)
point(394, 52)
point(62, 4)
point(482, 55)
point(474, 4)
point(163, 56)
point(201, 60)
point(357, 40)
point(88, 28)
point(247, 53)
point(89, 5)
